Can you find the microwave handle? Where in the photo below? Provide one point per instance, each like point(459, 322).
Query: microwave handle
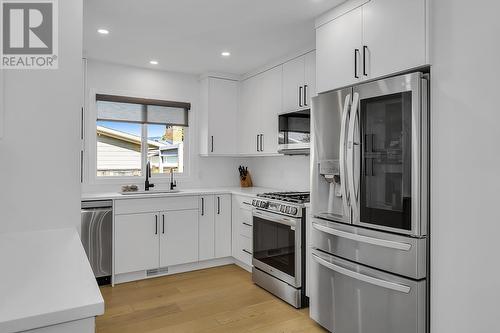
point(342, 162)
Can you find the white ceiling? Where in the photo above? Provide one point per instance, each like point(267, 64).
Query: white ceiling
point(189, 35)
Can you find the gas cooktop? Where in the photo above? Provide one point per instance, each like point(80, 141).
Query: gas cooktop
point(291, 197)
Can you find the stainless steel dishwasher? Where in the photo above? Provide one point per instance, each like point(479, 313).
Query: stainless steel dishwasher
point(97, 235)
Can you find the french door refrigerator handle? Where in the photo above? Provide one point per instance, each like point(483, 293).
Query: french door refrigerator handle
point(361, 277)
point(305, 95)
point(342, 162)
point(363, 239)
point(353, 195)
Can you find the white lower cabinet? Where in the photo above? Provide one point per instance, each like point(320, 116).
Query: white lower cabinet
point(223, 225)
point(207, 228)
point(166, 236)
point(242, 229)
point(136, 242)
point(179, 237)
point(215, 226)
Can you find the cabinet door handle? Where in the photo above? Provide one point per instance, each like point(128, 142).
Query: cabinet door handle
point(356, 52)
point(258, 145)
point(305, 95)
point(246, 251)
point(300, 96)
point(248, 225)
point(202, 206)
point(365, 48)
point(163, 223)
point(156, 224)
point(218, 205)
point(262, 142)
point(212, 150)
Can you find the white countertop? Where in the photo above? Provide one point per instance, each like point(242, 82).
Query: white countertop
point(45, 280)
point(247, 191)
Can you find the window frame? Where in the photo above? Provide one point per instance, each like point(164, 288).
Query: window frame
point(90, 144)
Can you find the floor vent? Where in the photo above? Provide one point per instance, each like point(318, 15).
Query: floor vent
point(157, 271)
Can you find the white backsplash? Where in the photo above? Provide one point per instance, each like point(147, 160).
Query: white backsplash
point(290, 173)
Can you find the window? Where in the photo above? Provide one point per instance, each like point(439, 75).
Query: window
point(131, 132)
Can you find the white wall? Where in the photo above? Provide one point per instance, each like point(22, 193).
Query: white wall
point(465, 221)
point(39, 159)
point(289, 173)
point(113, 78)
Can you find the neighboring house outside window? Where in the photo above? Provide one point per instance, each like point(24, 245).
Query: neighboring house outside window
point(124, 147)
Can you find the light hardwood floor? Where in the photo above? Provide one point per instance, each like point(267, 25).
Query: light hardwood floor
point(222, 299)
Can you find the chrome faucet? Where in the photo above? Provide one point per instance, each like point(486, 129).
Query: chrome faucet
point(147, 184)
point(173, 183)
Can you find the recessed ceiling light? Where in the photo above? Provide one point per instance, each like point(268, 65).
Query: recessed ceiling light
point(225, 54)
point(153, 62)
point(103, 31)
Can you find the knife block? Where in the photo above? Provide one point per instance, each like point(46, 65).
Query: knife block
point(246, 181)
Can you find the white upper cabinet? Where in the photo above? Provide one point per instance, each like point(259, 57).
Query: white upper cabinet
point(299, 82)
point(249, 117)
point(260, 104)
point(394, 34)
point(270, 95)
point(218, 116)
point(310, 77)
point(338, 51)
point(293, 84)
point(366, 39)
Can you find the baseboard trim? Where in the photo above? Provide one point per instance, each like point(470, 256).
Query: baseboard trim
point(142, 275)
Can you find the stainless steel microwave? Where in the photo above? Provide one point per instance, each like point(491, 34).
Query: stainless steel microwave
point(294, 134)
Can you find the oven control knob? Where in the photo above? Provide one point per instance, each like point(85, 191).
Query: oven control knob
point(287, 210)
point(263, 204)
point(294, 211)
point(254, 202)
point(283, 208)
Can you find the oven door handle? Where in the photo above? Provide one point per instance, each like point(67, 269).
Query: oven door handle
point(363, 239)
point(276, 218)
point(361, 277)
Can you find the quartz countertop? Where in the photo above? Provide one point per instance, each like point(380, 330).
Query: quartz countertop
point(246, 191)
point(46, 279)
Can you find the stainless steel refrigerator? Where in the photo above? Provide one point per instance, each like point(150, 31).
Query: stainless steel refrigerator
point(369, 199)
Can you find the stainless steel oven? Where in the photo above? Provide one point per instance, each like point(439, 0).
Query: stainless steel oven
point(294, 135)
point(279, 249)
point(277, 245)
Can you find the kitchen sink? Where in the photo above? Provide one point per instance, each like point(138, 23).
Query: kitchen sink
point(150, 192)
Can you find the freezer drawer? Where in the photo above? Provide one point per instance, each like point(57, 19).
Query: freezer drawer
point(347, 298)
point(398, 254)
